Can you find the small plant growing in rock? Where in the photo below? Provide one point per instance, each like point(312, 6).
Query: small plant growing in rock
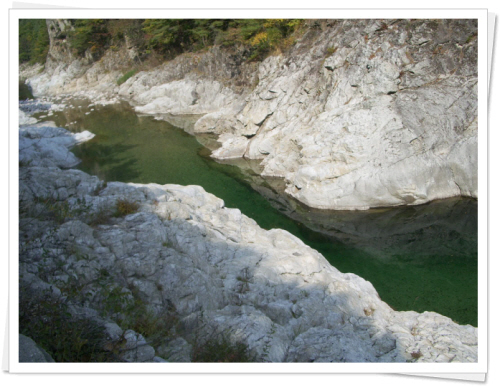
point(125, 207)
point(98, 217)
point(221, 350)
point(45, 318)
point(331, 50)
point(125, 77)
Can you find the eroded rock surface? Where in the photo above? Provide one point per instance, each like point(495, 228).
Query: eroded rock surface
point(357, 114)
point(208, 270)
point(374, 114)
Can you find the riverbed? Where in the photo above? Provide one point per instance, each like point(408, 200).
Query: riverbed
point(421, 258)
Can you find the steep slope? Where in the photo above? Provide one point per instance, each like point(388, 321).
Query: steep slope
point(357, 114)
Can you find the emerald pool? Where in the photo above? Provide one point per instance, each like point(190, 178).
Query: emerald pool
point(421, 258)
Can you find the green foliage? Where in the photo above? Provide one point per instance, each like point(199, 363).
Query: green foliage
point(221, 350)
point(89, 34)
point(164, 37)
point(33, 41)
point(46, 319)
point(260, 36)
point(24, 91)
point(167, 35)
point(119, 28)
point(266, 35)
point(331, 50)
point(126, 76)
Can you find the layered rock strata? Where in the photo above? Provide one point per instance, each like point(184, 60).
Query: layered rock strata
point(357, 114)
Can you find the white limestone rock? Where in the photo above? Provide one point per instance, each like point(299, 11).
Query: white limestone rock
point(25, 119)
point(218, 273)
point(48, 145)
point(359, 114)
point(232, 147)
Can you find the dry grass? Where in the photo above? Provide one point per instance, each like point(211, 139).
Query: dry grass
point(125, 207)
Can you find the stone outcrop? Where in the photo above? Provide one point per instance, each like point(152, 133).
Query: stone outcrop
point(30, 352)
point(357, 114)
point(211, 271)
point(375, 113)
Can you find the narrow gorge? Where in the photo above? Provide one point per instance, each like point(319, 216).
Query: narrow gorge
point(356, 130)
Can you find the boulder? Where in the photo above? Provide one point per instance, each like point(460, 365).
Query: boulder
point(30, 352)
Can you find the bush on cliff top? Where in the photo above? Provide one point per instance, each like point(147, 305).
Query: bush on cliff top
point(260, 36)
point(90, 34)
point(161, 37)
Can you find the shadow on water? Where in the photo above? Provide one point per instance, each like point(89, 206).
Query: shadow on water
point(108, 162)
point(418, 258)
point(421, 258)
point(317, 305)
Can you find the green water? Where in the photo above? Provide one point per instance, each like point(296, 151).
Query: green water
point(24, 91)
point(419, 258)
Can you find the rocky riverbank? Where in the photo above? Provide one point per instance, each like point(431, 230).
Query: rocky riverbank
point(162, 272)
point(357, 114)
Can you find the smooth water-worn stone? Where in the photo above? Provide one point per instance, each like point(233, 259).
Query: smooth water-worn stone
point(216, 273)
point(49, 146)
point(30, 352)
point(25, 119)
point(357, 114)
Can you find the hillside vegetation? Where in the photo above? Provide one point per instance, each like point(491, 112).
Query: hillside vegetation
point(164, 38)
point(33, 40)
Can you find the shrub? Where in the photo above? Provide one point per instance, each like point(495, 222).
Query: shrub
point(125, 207)
point(125, 77)
point(46, 319)
point(221, 350)
point(24, 91)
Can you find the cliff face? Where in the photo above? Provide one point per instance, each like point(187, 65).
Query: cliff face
point(358, 114)
point(368, 114)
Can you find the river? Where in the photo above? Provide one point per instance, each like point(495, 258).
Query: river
point(421, 258)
